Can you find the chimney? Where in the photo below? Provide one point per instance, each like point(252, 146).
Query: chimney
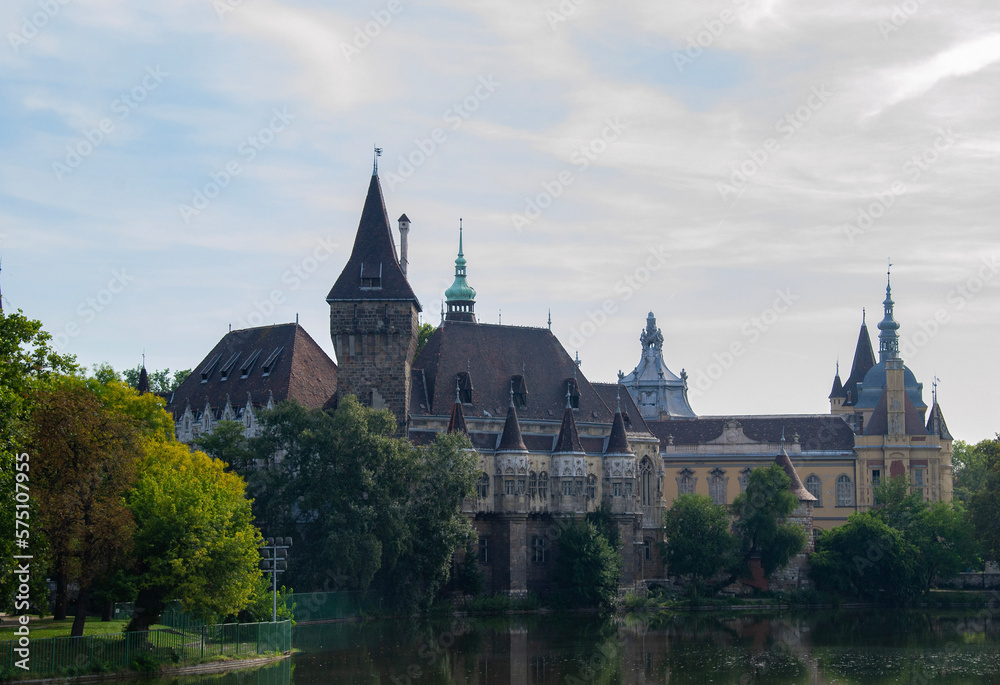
point(404, 230)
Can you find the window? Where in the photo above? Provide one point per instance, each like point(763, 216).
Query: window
point(206, 372)
point(520, 486)
point(647, 550)
point(539, 549)
point(508, 486)
point(543, 485)
point(616, 488)
point(567, 488)
point(919, 481)
point(645, 482)
point(484, 486)
point(532, 485)
point(591, 487)
point(228, 367)
point(744, 479)
point(685, 482)
point(578, 487)
point(717, 486)
point(248, 364)
point(520, 390)
point(845, 491)
point(271, 361)
point(372, 279)
point(876, 482)
point(628, 489)
point(484, 549)
point(465, 387)
point(815, 488)
point(574, 393)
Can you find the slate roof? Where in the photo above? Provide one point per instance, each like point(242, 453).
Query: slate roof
point(456, 424)
point(568, 441)
point(492, 354)
point(816, 432)
point(610, 393)
point(838, 388)
point(796, 486)
point(510, 439)
point(297, 368)
point(617, 442)
point(864, 359)
point(878, 424)
point(936, 424)
point(374, 254)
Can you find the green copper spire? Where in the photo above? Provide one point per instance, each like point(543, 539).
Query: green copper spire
point(461, 297)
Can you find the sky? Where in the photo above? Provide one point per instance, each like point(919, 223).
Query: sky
point(743, 169)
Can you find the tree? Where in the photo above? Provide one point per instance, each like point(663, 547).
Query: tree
point(587, 567)
point(970, 469)
point(85, 452)
point(375, 512)
point(194, 537)
point(26, 359)
point(424, 333)
point(984, 504)
point(699, 543)
point(896, 505)
point(228, 443)
point(159, 381)
point(760, 524)
point(866, 558)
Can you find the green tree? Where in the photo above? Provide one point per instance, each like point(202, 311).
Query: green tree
point(699, 543)
point(760, 519)
point(85, 458)
point(424, 333)
point(984, 504)
point(27, 358)
point(228, 443)
point(159, 381)
point(970, 469)
point(897, 506)
point(194, 539)
point(587, 567)
point(866, 558)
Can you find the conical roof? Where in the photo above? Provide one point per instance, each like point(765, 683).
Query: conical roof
point(936, 424)
point(864, 360)
point(796, 486)
point(617, 441)
point(457, 422)
point(838, 388)
point(373, 256)
point(510, 439)
point(568, 441)
point(143, 386)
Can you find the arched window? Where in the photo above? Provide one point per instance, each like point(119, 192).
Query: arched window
point(845, 491)
point(484, 487)
point(815, 488)
point(645, 482)
point(591, 487)
point(685, 482)
point(543, 485)
point(532, 485)
point(717, 486)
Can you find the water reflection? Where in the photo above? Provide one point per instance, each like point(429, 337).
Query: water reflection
point(862, 648)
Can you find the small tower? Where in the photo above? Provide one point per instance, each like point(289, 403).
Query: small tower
point(404, 233)
point(374, 316)
point(456, 424)
point(888, 337)
point(143, 384)
point(461, 297)
point(837, 394)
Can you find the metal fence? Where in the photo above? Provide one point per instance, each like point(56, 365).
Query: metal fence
point(121, 651)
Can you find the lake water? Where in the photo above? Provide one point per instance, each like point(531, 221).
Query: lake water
point(856, 647)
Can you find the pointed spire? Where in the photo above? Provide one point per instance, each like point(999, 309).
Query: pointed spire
point(796, 487)
point(550, 319)
point(378, 153)
point(461, 297)
point(888, 338)
point(510, 439)
point(617, 440)
point(864, 360)
point(457, 422)
point(143, 385)
point(568, 441)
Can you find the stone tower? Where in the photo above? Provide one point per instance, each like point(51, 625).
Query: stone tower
point(374, 316)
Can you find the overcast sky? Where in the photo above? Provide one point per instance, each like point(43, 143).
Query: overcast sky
point(742, 169)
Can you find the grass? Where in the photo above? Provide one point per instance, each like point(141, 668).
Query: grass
point(48, 627)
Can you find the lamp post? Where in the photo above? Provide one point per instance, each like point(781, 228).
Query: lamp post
point(275, 552)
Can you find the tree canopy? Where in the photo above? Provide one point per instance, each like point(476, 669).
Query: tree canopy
point(984, 503)
point(587, 567)
point(760, 515)
point(699, 543)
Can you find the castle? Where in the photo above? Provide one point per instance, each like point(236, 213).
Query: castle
point(553, 445)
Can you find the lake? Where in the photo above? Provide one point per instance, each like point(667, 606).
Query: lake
point(857, 647)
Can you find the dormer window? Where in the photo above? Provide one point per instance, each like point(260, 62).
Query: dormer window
point(465, 387)
point(371, 277)
point(520, 390)
point(271, 361)
point(574, 392)
point(248, 365)
point(206, 372)
point(227, 368)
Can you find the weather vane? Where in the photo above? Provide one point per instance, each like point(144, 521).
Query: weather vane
point(378, 153)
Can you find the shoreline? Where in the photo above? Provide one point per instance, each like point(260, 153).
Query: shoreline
point(219, 666)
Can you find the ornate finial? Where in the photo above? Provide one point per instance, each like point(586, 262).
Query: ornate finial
point(378, 153)
point(500, 318)
point(838, 365)
point(569, 403)
point(618, 399)
point(512, 393)
point(442, 311)
point(862, 316)
point(577, 360)
point(460, 237)
point(782, 437)
point(934, 385)
point(550, 319)
point(458, 388)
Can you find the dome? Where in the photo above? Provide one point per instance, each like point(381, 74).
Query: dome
point(870, 389)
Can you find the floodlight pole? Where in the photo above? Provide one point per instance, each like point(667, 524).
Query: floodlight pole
point(270, 563)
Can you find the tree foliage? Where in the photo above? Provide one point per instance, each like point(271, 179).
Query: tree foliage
point(984, 503)
point(159, 381)
point(699, 543)
point(424, 333)
point(375, 512)
point(587, 567)
point(760, 524)
point(194, 541)
point(228, 443)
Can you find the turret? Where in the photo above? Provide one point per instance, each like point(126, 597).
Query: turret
point(460, 297)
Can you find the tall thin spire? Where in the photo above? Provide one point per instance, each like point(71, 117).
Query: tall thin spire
point(378, 153)
point(888, 338)
point(461, 297)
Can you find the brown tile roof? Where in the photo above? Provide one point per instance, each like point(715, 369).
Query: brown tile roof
point(816, 432)
point(568, 441)
point(374, 254)
point(610, 393)
point(510, 439)
point(878, 424)
point(493, 355)
point(617, 442)
point(297, 368)
point(796, 486)
point(457, 422)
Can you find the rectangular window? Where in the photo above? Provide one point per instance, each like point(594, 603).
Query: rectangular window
point(578, 487)
point(484, 549)
point(628, 489)
point(508, 487)
point(918, 478)
point(539, 548)
point(616, 489)
point(567, 488)
point(520, 486)
point(591, 488)
point(647, 550)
